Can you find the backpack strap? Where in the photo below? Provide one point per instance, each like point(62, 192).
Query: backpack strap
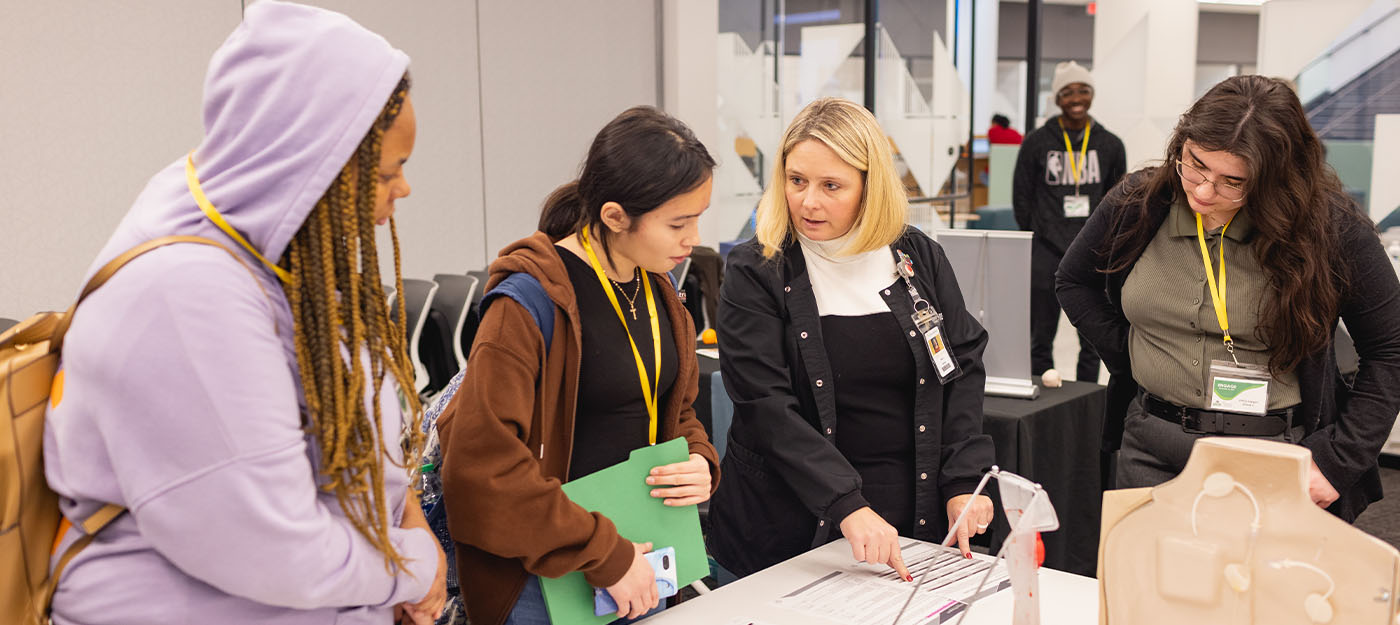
point(105, 273)
point(526, 289)
point(90, 526)
point(523, 288)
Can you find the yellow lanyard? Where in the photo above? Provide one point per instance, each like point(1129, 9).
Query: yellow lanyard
point(213, 214)
point(1217, 296)
point(1083, 152)
point(649, 391)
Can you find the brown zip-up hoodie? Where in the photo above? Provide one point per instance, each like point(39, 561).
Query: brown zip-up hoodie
point(508, 435)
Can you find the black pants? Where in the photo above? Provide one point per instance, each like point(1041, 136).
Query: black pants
point(1045, 318)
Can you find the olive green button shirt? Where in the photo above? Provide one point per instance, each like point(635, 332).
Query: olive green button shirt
point(1175, 333)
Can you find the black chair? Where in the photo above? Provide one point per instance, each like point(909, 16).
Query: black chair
point(6, 324)
point(473, 318)
point(481, 278)
point(418, 298)
point(453, 300)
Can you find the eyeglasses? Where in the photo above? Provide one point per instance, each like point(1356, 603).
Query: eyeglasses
point(1194, 177)
point(1082, 90)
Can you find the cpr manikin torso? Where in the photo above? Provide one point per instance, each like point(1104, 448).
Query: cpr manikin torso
point(1295, 564)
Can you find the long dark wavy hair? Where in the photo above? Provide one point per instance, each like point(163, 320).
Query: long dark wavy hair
point(1295, 199)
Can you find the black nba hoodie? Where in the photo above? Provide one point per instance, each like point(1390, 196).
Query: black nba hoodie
point(1043, 178)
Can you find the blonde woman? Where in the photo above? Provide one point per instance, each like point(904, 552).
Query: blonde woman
point(855, 369)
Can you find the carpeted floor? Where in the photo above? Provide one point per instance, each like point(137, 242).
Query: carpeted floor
point(1382, 519)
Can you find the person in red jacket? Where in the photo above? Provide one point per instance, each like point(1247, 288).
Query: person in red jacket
point(1001, 131)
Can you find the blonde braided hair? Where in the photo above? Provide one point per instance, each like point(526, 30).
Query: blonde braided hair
point(339, 309)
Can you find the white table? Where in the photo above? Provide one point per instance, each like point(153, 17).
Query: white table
point(1067, 598)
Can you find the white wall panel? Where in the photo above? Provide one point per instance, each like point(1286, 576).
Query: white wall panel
point(552, 74)
point(1144, 71)
point(94, 98)
point(1385, 186)
point(441, 224)
point(97, 96)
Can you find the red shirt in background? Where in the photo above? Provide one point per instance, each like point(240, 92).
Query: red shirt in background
point(1009, 136)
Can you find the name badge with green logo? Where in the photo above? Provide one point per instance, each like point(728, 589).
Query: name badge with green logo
point(1076, 206)
point(1239, 388)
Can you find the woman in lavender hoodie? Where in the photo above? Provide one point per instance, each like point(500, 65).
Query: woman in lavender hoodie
point(252, 423)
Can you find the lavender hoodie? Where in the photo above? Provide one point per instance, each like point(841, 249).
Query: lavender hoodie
point(181, 399)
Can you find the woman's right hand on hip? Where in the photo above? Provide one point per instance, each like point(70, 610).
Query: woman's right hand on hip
point(873, 540)
point(636, 594)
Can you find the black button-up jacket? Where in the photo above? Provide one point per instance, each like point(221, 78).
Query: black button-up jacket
point(786, 485)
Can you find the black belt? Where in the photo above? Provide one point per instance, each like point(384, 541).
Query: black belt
point(1197, 421)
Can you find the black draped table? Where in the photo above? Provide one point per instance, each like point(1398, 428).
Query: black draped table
point(1053, 440)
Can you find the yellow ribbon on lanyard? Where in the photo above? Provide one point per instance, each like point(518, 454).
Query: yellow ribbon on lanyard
point(1217, 296)
point(1083, 152)
point(213, 214)
point(649, 391)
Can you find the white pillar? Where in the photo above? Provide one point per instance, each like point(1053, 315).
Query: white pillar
point(689, 35)
point(962, 43)
point(689, 84)
point(1385, 186)
point(984, 80)
point(1144, 71)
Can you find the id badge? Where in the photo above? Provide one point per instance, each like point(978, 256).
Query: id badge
point(932, 328)
point(1241, 388)
point(1076, 206)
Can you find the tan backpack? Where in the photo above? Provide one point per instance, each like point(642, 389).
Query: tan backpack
point(31, 526)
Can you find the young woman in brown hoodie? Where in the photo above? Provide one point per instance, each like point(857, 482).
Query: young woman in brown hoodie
point(529, 417)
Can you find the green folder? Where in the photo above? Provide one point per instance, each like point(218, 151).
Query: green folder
point(621, 493)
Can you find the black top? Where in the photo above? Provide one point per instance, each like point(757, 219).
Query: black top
point(787, 484)
point(1345, 426)
point(1043, 178)
point(875, 398)
point(612, 415)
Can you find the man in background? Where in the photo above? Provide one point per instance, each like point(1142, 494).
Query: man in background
point(1063, 170)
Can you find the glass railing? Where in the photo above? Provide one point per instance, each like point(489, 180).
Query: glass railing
point(1352, 55)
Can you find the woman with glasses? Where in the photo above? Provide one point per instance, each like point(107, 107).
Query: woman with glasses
point(1216, 281)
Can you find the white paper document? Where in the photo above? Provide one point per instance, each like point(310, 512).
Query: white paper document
point(871, 596)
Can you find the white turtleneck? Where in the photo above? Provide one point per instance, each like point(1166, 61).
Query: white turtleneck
point(847, 285)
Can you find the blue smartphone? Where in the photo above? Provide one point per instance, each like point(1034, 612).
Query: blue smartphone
point(663, 562)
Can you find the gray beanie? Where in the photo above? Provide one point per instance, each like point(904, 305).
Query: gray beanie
point(1068, 73)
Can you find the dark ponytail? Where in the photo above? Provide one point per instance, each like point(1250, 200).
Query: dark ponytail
point(563, 210)
point(640, 159)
